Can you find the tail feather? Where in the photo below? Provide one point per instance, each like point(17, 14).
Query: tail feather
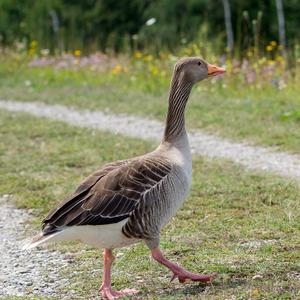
point(38, 240)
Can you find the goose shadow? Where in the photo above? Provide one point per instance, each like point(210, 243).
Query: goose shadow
point(193, 289)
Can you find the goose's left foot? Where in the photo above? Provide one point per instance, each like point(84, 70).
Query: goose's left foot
point(184, 275)
point(179, 272)
point(105, 289)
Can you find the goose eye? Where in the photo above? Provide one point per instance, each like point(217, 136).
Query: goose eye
point(199, 63)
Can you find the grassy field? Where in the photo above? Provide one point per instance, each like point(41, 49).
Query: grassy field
point(243, 225)
point(264, 110)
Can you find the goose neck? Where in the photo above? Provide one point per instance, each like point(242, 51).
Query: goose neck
point(175, 123)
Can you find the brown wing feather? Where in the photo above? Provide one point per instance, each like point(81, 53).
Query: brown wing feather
point(109, 195)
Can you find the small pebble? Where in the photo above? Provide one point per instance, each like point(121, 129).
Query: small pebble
point(257, 277)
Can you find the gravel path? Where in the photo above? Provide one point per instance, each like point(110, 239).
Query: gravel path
point(252, 157)
point(26, 273)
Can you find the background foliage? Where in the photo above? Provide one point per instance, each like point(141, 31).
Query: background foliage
point(121, 25)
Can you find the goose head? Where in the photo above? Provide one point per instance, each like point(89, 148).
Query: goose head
point(195, 69)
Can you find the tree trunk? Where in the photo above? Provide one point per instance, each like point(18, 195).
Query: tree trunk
point(228, 24)
point(281, 26)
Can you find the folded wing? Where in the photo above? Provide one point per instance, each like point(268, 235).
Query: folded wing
point(109, 195)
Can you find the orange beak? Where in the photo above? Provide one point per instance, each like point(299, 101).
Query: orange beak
point(214, 70)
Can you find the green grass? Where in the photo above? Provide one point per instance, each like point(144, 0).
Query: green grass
point(235, 222)
point(228, 107)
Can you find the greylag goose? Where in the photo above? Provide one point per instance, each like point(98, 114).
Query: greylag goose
point(130, 200)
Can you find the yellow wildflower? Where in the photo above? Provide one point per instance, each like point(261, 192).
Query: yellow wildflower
point(249, 54)
point(262, 61)
point(138, 55)
point(148, 57)
point(33, 44)
point(154, 70)
point(77, 53)
point(269, 48)
point(31, 51)
point(280, 59)
point(271, 62)
point(273, 43)
point(117, 69)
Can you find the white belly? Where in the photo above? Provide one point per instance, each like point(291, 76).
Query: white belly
point(101, 236)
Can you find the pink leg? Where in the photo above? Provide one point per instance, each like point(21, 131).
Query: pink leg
point(105, 288)
point(182, 274)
